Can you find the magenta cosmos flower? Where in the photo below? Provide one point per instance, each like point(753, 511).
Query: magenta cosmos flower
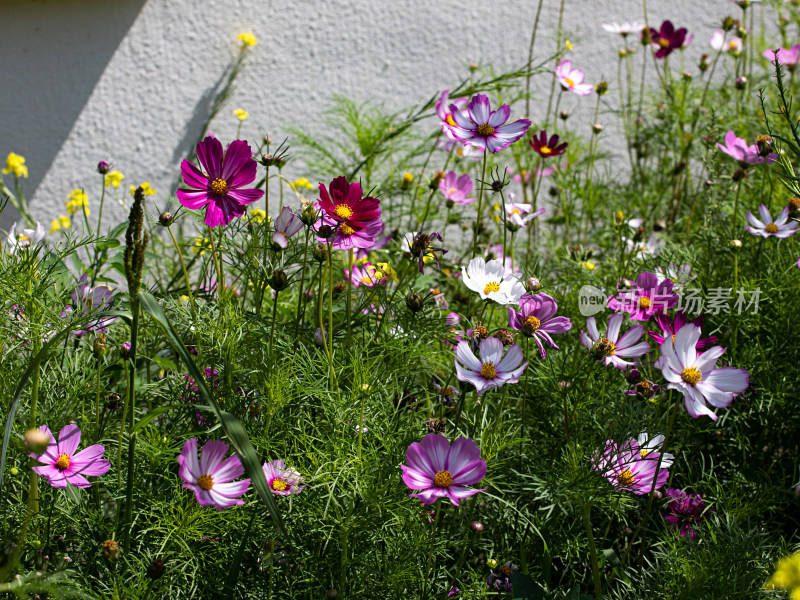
point(545, 147)
point(789, 58)
point(646, 299)
point(493, 369)
point(536, 318)
point(356, 219)
point(220, 186)
point(286, 225)
point(670, 328)
point(211, 477)
point(438, 470)
point(612, 349)
point(766, 227)
point(737, 148)
point(694, 374)
point(63, 466)
point(571, 79)
point(485, 128)
point(626, 466)
point(443, 111)
point(456, 188)
point(667, 38)
point(685, 511)
point(282, 481)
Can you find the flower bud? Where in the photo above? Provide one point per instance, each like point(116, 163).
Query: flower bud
point(658, 495)
point(601, 88)
point(473, 67)
point(156, 569)
point(633, 376)
point(436, 179)
point(646, 36)
point(14, 471)
point(476, 526)
point(533, 285)
point(623, 52)
point(332, 593)
point(736, 244)
point(103, 167)
point(325, 231)
point(318, 339)
point(741, 82)
point(125, 350)
point(703, 64)
point(320, 252)
point(165, 219)
point(597, 128)
point(727, 23)
point(99, 347)
point(36, 440)
point(497, 185)
point(110, 549)
point(563, 115)
point(793, 205)
point(504, 335)
point(407, 179)
point(279, 280)
point(414, 302)
point(308, 215)
point(687, 76)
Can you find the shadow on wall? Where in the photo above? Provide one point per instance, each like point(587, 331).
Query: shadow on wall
point(42, 99)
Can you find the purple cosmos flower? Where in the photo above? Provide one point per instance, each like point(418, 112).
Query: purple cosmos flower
point(684, 511)
point(499, 580)
point(788, 58)
point(441, 471)
point(63, 466)
point(493, 369)
point(286, 225)
point(485, 128)
point(546, 148)
point(667, 38)
point(644, 389)
point(670, 328)
point(571, 80)
point(356, 219)
point(780, 227)
point(737, 148)
point(419, 244)
point(536, 318)
point(456, 188)
point(611, 349)
point(694, 374)
point(443, 109)
point(87, 300)
point(221, 187)
point(646, 299)
point(211, 477)
point(282, 481)
point(624, 466)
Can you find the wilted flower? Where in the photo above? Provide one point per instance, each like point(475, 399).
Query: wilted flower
point(286, 225)
point(88, 300)
point(419, 245)
point(493, 369)
point(500, 579)
point(63, 466)
point(211, 477)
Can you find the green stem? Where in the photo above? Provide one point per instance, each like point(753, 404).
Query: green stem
point(587, 521)
point(185, 276)
point(97, 403)
point(217, 266)
point(430, 549)
point(480, 204)
point(132, 435)
point(272, 326)
point(302, 282)
point(350, 303)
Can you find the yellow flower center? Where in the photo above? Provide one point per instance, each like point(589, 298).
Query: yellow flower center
point(443, 479)
point(530, 324)
point(644, 453)
point(346, 229)
point(626, 477)
point(570, 83)
point(663, 43)
point(205, 482)
point(644, 302)
point(488, 371)
point(62, 464)
point(771, 228)
point(219, 186)
point(545, 150)
point(491, 287)
point(450, 120)
point(366, 279)
point(673, 339)
point(732, 45)
point(343, 211)
point(279, 485)
point(485, 130)
point(515, 211)
point(450, 191)
point(691, 375)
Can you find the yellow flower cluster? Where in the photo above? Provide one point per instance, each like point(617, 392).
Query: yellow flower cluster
point(301, 183)
point(241, 114)
point(247, 39)
point(16, 163)
point(62, 222)
point(113, 179)
point(386, 271)
point(147, 189)
point(786, 576)
point(77, 199)
point(258, 215)
point(201, 244)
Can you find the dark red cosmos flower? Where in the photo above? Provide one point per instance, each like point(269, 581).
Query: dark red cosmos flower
point(545, 147)
point(667, 38)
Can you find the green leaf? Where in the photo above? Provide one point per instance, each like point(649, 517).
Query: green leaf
point(145, 420)
point(232, 426)
point(525, 588)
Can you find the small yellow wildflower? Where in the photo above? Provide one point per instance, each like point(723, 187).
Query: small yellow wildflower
point(301, 183)
point(786, 576)
point(407, 178)
point(77, 199)
point(365, 387)
point(387, 271)
point(113, 178)
point(247, 39)
point(16, 163)
point(62, 222)
point(201, 244)
point(146, 189)
point(258, 215)
point(492, 563)
point(569, 45)
point(241, 114)
point(588, 265)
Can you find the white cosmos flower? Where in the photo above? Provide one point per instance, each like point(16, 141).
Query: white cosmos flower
point(490, 281)
point(646, 445)
point(26, 238)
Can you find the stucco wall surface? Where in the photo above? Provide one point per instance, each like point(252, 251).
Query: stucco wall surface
point(131, 81)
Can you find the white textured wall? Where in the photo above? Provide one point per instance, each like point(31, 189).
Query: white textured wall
point(130, 81)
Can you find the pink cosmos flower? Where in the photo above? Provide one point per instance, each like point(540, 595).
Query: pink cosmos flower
point(456, 188)
point(439, 470)
point(220, 186)
point(356, 219)
point(780, 227)
point(624, 466)
point(733, 46)
point(789, 58)
point(669, 329)
point(443, 109)
point(63, 466)
point(572, 80)
point(282, 481)
point(286, 225)
point(536, 318)
point(737, 148)
point(367, 275)
point(520, 214)
point(646, 299)
point(493, 369)
point(485, 128)
point(211, 477)
point(611, 349)
point(694, 374)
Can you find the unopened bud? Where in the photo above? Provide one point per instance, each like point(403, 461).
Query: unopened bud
point(279, 280)
point(325, 231)
point(533, 285)
point(601, 88)
point(308, 215)
point(407, 179)
point(619, 217)
point(436, 179)
point(597, 128)
point(36, 440)
point(686, 76)
point(739, 174)
point(99, 347)
point(125, 350)
point(165, 219)
point(703, 64)
point(318, 339)
point(320, 252)
point(563, 115)
point(414, 302)
point(103, 167)
point(156, 569)
point(727, 23)
point(633, 376)
point(741, 83)
point(564, 385)
point(476, 526)
point(736, 244)
point(646, 36)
